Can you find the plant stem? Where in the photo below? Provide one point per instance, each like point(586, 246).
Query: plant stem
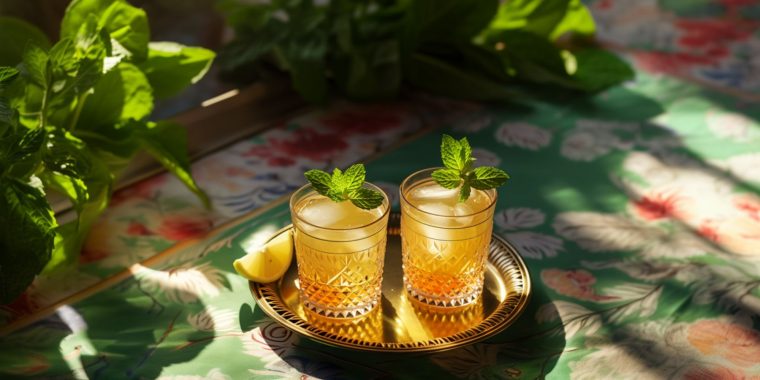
point(77, 111)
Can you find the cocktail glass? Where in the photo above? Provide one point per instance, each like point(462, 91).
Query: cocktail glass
point(444, 242)
point(340, 250)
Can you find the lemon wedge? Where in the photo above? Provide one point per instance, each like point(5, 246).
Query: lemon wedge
point(269, 262)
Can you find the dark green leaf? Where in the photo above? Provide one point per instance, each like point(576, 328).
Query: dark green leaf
point(354, 177)
point(486, 177)
point(440, 77)
point(447, 178)
point(122, 94)
point(464, 192)
point(370, 71)
point(70, 237)
point(7, 74)
point(578, 20)
point(366, 198)
point(167, 142)
point(125, 24)
point(35, 66)
point(306, 61)
point(64, 153)
point(26, 237)
point(15, 35)
point(534, 58)
point(440, 20)
point(20, 153)
point(599, 69)
point(539, 17)
point(319, 180)
point(450, 149)
point(172, 67)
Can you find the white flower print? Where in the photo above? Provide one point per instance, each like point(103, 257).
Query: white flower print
point(269, 342)
point(529, 244)
point(599, 232)
point(612, 361)
point(213, 374)
point(745, 167)
point(591, 139)
point(213, 319)
point(731, 125)
point(485, 157)
point(183, 283)
point(534, 245)
point(523, 135)
point(474, 124)
point(518, 218)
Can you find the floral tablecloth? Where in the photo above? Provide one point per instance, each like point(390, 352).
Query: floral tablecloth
point(637, 212)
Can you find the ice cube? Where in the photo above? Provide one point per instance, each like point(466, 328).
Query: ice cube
point(437, 208)
point(325, 213)
point(434, 192)
point(462, 210)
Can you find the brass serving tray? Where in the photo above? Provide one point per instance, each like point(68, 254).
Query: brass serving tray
point(400, 324)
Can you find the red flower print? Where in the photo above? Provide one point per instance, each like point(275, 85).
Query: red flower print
point(138, 229)
point(22, 305)
point(574, 283)
point(306, 143)
point(89, 255)
point(749, 205)
point(368, 120)
point(181, 227)
point(144, 189)
point(708, 231)
point(714, 373)
point(657, 206)
point(737, 344)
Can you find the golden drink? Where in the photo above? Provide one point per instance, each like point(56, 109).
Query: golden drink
point(340, 250)
point(444, 242)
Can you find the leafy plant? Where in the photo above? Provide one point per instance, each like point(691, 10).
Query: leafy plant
point(458, 172)
point(345, 186)
point(72, 116)
point(483, 50)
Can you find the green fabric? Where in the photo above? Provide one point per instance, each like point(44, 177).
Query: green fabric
point(637, 213)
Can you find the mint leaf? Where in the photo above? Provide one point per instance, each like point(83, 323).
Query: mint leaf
point(122, 94)
point(7, 74)
point(447, 178)
point(343, 186)
point(464, 191)
point(319, 180)
point(457, 156)
point(486, 177)
point(450, 155)
point(26, 238)
point(354, 177)
point(366, 198)
point(172, 67)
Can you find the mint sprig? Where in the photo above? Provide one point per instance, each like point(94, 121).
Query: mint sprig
point(345, 186)
point(456, 156)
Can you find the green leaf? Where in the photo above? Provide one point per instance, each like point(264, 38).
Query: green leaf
point(122, 94)
point(447, 178)
point(465, 154)
point(370, 71)
point(306, 61)
point(171, 67)
point(539, 17)
point(167, 142)
point(450, 149)
point(15, 35)
point(486, 177)
point(319, 180)
point(438, 76)
point(534, 58)
point(354, 177)
point(70, 236)
point(577, 20)
point(21, 152)
point(464, 191)
point(366, 199)
point(436, 20)
point(126, 24)
point(7, 74)
point(599, 69)
point(35, 66)
point(26, 237)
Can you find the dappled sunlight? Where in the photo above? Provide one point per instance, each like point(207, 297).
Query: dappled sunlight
point(182, 283)
point(258, 238)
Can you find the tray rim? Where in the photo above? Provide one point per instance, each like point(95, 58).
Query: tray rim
point(502, 317)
